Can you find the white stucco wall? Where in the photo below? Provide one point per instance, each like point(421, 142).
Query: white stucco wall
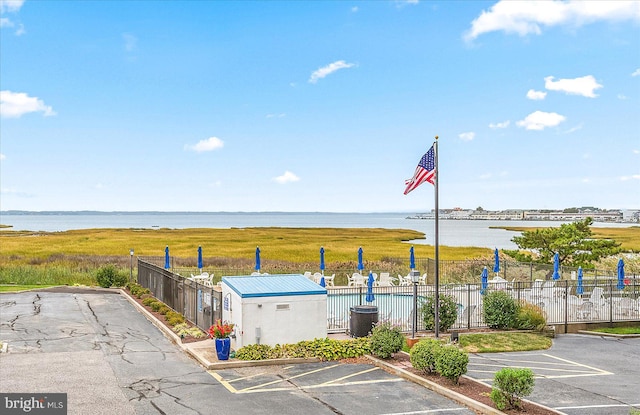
point(280, 319)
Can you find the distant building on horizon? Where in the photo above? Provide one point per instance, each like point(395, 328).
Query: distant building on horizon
point(566, 215)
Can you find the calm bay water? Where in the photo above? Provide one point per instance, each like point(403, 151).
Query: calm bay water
point(452, 232)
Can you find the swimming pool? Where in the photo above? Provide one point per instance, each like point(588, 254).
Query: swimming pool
point(396, 308)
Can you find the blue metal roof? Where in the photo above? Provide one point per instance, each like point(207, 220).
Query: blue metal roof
point(273, 285)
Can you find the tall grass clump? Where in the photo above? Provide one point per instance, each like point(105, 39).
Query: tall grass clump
point(50, 275)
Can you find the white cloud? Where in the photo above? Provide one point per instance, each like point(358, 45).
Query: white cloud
point(130, 42)
point(536, 95)
point(16, 104)
point(210, 144)
point(467, 136)
point(526, 17)
point(622, 97)
point(281, 115)
point(485, 176)
point(11, 6)
point(499, 125)
point(287, 177)
point(584, 85)
point(632, 177)
point(2, 156)
point(354, 9)
point(635, 151)
point(636, 72)
point(328, 70)
point(539, 120)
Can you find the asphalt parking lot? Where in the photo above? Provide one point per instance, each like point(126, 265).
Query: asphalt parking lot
point(110, 359)
point(579, 374)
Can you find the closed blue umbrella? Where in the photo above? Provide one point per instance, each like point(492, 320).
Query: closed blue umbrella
point(166, 257)
point(370, 298)
point(485, 280)
point(620, 285)
point(496, 261)
point(579, 288)
point(360, 265)
point(323, 283)
point(412, 259)
point(258, 258)
point(322, 260)
point(200, 258)
point(556, 266)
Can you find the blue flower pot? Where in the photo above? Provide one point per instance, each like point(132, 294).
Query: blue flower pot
point(223, 348)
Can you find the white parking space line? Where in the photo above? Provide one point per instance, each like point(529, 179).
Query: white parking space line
point(543, 365)
point(428, 411)
point(264, 387)
point(620, 405)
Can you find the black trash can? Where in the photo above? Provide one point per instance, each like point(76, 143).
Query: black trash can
point(363, 318)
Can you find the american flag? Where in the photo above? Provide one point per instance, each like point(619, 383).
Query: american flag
point(425, 172)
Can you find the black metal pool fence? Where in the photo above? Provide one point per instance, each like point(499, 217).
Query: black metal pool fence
point(560, 300)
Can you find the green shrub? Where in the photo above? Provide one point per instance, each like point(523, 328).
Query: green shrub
point(120, 279)
point(423, 355)
point(500, 310)
point(530, 317)
point(164, 309)
point(510, 385)
point(183, 330)
point(149, 300)
point(155, 306)
point(386, 340)
point(254, 352)
point(448, 312)
point(452, 363)
point(173, 317)
point(324, 349)
point(106, 275)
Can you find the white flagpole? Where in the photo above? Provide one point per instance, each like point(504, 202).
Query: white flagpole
point(437, 247)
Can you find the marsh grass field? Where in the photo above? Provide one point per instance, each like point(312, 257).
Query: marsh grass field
point(73, 257)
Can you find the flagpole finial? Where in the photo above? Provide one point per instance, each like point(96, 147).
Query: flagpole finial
point(436, 137)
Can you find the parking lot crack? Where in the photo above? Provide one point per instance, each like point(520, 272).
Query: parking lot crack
point(306, 392)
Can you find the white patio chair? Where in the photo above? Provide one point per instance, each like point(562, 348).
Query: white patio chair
point(308, 275)
point(328, 280)
point(355, 280)
point(385, 280)
point(404, 280)
point(626, 307)
point(585, 311)
point(317, 277)
point(423, 279)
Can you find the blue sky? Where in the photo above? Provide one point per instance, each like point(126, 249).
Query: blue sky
point(318, 106)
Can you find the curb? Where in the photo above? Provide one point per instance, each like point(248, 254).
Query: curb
point(618, 336)
point(461, 399)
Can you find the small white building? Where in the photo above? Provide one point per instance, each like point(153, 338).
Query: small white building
point(274, 309)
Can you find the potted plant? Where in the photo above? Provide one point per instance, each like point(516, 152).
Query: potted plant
point(220, 333)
